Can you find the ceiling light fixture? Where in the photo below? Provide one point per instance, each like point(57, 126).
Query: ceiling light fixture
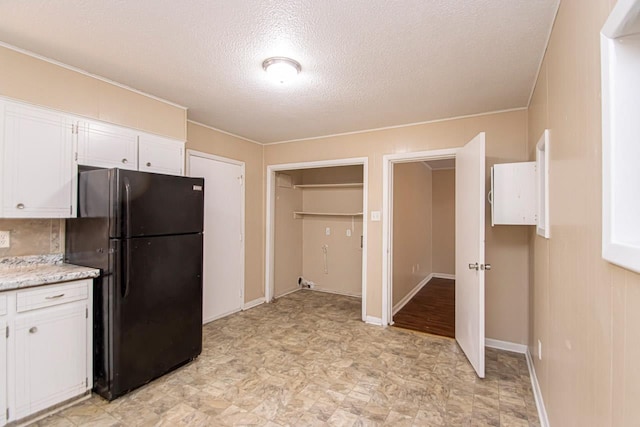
point(281, 69)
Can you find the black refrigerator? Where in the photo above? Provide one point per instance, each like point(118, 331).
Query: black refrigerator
point(144, 231)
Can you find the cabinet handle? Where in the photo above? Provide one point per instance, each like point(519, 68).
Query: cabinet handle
point(148, 163)
point(125, 161)
point(33, 330)
point(20, 206)
point(54, 296)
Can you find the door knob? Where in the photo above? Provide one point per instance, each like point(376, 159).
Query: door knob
point(485, 267)
point(473, 266)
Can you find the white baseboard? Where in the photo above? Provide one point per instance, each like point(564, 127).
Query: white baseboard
point(373, 320)
point(220, 316)
point(254, 303)
point(444, 276)
point(537, 393)
point(411, 294)
point(332, 291)
point(505, 345)
point(289, 291)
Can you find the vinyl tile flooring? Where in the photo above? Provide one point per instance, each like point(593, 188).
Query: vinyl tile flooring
point(308, 360)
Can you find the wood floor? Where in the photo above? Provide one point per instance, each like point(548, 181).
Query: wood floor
point(431, 310)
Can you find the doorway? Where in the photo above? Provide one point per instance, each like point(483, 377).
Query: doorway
point(423, 246)
point(277, 177)
point(470, 178)
point(223, 269)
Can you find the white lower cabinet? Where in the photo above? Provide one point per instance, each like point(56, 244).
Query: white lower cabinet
point(3, 359)
point(50, 346)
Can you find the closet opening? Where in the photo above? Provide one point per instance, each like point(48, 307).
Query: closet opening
point(316, 233)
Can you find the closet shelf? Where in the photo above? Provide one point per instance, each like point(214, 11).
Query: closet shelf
point(299, 214)
point(344, 185)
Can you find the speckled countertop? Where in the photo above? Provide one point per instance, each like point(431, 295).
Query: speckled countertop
point(26, 271)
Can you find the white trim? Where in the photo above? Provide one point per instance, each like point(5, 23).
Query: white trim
point(86, 73)
point(444, 276)
point(505, 345)
point(269, 277)
point(289, 291)
point(411, 294)
point(373, 320)
point(537, 393)
point(221, 159)
point(225, 132)
point(388, 161)
point(446, 119)
point(333, 291)
point(251, 304)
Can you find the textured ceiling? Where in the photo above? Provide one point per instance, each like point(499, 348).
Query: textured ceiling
point(365, 63)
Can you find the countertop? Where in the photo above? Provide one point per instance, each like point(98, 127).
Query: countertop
point(24, 272)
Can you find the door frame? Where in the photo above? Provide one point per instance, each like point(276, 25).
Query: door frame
point(388, 161)
point(217, 158)
point(269, 273)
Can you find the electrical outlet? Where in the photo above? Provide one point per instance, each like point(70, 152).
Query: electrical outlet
point(327, 231)
point(539, 350)
point(5, 239)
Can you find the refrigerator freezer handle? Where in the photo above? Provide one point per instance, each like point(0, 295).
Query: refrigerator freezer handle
point(127, 202)
point(127, 268)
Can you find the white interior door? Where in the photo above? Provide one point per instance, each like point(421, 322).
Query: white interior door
point(223, 275)
point(470, 183)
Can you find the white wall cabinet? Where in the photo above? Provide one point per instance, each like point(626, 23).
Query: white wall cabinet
point(38, 168)
point(50, 346)
point(107, 146)
point(513, 194)
point(160, 155)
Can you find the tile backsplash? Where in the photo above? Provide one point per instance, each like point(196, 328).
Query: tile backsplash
point(33, 236)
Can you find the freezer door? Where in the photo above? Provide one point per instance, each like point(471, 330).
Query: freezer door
point(157, 308)
point(150, 204)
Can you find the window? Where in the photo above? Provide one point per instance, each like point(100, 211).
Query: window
point(620, 50)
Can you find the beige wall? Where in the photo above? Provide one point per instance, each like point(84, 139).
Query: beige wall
point(444, 221)
point(25, 78)
point(207, 140)
point(288, 232)
point(507, 247)
point(412, 233)
point(585, 311)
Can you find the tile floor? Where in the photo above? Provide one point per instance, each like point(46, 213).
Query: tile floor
point(308, 360)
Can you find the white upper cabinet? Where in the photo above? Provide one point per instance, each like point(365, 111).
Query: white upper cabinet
point(107, 146)
point(513, 194)
point(160, 155)
point(38, 169)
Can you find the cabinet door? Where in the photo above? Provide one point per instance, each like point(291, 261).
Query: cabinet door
point(160, 155)
point(38, 170)
point(107, 146)
point(3, 370)
point(50, 356)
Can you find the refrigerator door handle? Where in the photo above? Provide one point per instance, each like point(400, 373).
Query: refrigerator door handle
point(127, 268)
point(127, 206)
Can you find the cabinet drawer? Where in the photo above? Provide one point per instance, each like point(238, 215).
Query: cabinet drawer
point(48, 296)
point(3, 305)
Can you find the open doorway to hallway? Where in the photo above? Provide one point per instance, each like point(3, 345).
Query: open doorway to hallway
point(423, 246)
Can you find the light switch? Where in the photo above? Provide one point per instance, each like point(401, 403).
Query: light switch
point(327, 231)
point(375, 215)
point(348, 232)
